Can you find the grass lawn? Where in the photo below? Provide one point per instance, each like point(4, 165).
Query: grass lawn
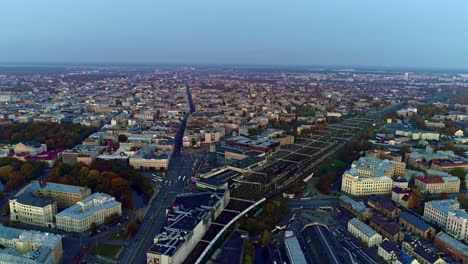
point(106, 250)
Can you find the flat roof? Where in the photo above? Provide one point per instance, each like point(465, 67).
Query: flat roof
point(63, 188)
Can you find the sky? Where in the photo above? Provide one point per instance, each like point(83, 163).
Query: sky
point(391, 33)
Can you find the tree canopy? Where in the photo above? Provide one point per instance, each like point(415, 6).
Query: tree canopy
point(55, 135)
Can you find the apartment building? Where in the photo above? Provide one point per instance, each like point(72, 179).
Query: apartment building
point(364, 232)
point(29, 247)
point(448, 215)
point(449, 184)
point(92, 210)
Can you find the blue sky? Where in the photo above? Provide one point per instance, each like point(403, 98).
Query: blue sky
point(402, 33)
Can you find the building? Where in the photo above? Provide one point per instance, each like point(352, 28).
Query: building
point(387, 229)
point(450, 165)
point(448, 184)
point(258, 145)
point(92, 210)
point(31, 209)
point(457, 224)
point(29, 147)
point(212, 136)
point(384, 155)
point(364, 232)
point(436, 212)
point(401, 196)
point(65, 195)
point(371, 176)
point(419, 251)
point(358, 209)
point(416, 225)
point(448, 215)
point(384, 206)
point(390, 252)
point(293, 248)
point(187, 222)
point(29, 247)
point(150, 157)
point(452, 247)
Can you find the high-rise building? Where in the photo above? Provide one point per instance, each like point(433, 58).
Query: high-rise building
point(406, 76)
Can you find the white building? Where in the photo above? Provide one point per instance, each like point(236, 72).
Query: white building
point(364, 232)
point(448, 215)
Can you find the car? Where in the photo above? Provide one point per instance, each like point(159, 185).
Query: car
point(152, 174)
point(178, 178)
point(183, 179)
point(166, 182)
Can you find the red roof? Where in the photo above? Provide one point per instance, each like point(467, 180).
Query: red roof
point(446, 163)
point(424, 180)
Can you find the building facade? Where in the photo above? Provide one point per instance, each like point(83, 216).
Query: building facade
point(29, 247)
point(65, 195)
point(364, 232)
point(92, 210)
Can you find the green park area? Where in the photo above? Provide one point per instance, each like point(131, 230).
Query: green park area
point(106, 250)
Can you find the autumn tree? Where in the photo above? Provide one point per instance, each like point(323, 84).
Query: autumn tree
point(266, 238)
point(415, 198)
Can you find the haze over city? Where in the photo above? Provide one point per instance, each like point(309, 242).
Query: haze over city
point(420, 33)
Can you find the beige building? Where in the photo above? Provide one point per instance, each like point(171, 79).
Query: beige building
point(364, 232)
point(151, 162)
point(93, 209)
point(371, 176)
point(449, 184)
point(65, 195)
point(28, 208)
point(29, 247)
point(29, 147)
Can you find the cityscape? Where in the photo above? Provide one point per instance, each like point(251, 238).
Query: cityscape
point(194, 133)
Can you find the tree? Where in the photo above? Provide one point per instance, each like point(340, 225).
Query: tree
point(444, 196)
point(249, 253)
point(266, 238)
point(193, 142)
point(118, 102)
point(123, 138)
point(415, 198)
point(459, 172)
point(133, 226)
point(6, 210)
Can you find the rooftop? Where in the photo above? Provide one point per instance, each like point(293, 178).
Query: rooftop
point(63, 188)
point(460, 246)
point(363, 227)
point(89, 206)
point(416, 221)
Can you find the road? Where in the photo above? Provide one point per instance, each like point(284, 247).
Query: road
point(153, 222)
point(312, 203)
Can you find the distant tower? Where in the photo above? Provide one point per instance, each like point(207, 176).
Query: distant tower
point(406, 76)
